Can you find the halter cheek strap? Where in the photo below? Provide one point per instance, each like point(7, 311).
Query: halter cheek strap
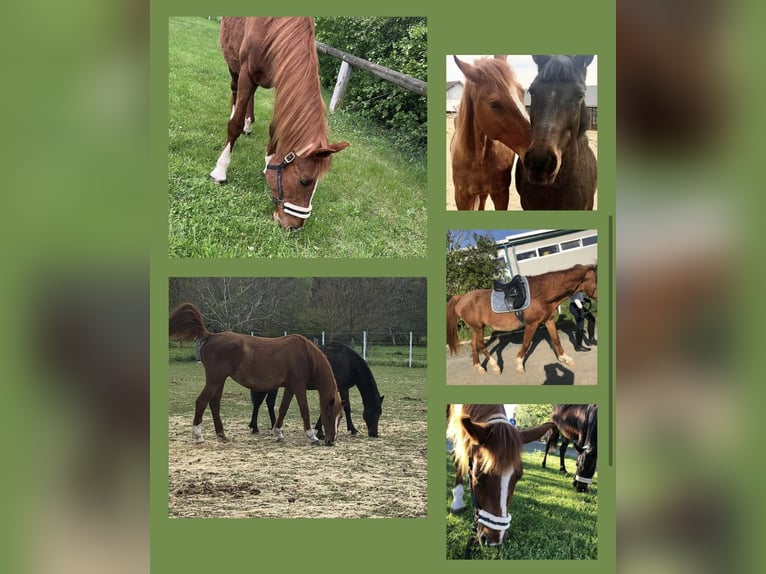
point(289, 208)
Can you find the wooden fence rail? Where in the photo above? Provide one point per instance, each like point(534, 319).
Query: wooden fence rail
point(408, 83)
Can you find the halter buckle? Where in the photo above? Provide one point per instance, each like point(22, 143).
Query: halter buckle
point(289, 158)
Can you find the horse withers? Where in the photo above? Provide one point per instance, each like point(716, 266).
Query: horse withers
point(487, 449)
point(546, 291)
point(491, 128)
point(559, 170)
point(279, 53)
point(260, 363)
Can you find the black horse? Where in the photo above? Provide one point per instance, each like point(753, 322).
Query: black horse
point(350, 370)
point(558, 170)
point(576, 424)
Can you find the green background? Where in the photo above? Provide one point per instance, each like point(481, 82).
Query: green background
point(345, 545)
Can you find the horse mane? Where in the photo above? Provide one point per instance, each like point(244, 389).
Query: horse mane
point(322, 371)
point(186, 323)
point(298, 122)
point(493, 71)
point(498, 454)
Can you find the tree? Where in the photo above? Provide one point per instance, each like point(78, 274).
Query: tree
point(473, 267)
point(533, 414)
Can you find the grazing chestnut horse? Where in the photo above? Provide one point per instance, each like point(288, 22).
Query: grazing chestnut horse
point(279, 53)
point(487, 449)
point(259, 363)
point(558, 171)
point(491, 125)
point(350, 370)
point(577, 424)
point(546, 292)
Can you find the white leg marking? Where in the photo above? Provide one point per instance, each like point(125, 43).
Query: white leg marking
point(248, 129)
point(566, 359)
point(479, 368)
point(197, 433)
point(278, 434)
point(493, 364)
point(520, 365)
point(312, 435)
point(457, 499)
point(219, 172)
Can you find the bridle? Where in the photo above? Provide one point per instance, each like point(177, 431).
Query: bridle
point(589, 443)
point(289, 208)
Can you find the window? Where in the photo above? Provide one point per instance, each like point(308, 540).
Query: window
point(548, 250)
point(592, 240)
point(567, 245)
point(525, 255)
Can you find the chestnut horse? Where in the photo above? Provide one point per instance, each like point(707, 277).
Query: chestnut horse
point(487, 449)
point(546, 292)
point(259, 363)
point(279, 53)
point(492, 123)
point(577, 424)
point(558, 171)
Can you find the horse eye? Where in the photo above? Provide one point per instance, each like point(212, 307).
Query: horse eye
point(494, 105)
point(305, 182)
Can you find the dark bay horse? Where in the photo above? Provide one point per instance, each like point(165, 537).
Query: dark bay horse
point(577, 424)
point(491, 127)
point(558, 171)
point(487, 449)
point(547, 291)
point(350, 369)
point(260, 363)
point(279, 53)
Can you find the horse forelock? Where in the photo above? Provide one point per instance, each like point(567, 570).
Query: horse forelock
point(298, 123)
point(559, 69)
point(501, 451)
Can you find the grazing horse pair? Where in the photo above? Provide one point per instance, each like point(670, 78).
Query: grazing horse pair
point(491, 128)
point(547, 291)
point(487, 449)
point(259, 363)
point(577, 424)
point(349, 370)
point(279, 53)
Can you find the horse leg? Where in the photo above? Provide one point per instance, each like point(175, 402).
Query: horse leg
point(500, 198)
point(529, 332)
point(203, 400)
point(458, 504)
point(550, 324)
point(245, 92)
point(477, 344)
point(562, 452)
point(256, 397)
point(249, 115)
point(287, 397)
point(271, 400)
point(303, 405)
point(215, 409)
point(347, 410)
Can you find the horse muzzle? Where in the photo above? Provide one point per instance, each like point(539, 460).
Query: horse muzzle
point(542, 164)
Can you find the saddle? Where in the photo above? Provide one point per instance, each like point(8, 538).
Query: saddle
point(511, 297)
point(515, 292)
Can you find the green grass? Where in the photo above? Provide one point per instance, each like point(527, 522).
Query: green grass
point(372, 203)
point(550, 520)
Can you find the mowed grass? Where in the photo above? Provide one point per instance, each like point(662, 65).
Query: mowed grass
point(253, 476)
point(550, 520)
point(372, 203)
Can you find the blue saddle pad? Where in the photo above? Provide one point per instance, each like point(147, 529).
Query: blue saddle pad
point(500, 305)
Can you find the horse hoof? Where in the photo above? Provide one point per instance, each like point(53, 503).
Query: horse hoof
point(199, 440)
point(223, 438)
point(218, 181)
point(329, 442)
point(457, 510)
point(520, 369)
point(315, 442)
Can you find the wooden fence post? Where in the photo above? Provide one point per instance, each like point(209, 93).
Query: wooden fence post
point(341, 85)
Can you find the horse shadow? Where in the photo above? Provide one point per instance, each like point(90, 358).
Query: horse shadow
point(501, 340)
point(558, 374)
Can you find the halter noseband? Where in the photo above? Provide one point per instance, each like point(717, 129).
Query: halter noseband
point(289, 208)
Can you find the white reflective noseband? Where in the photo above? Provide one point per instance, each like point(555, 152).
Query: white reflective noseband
point(297, 210)
point(500, 523)
point(579, 478)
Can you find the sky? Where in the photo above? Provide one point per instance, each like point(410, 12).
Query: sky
point(524, 66)
point(494, 233)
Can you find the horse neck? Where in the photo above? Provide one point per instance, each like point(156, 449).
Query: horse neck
point(368, 388)
point(298, 123)
point(569, 287)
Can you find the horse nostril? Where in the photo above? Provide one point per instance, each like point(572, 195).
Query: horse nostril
point(483, 540)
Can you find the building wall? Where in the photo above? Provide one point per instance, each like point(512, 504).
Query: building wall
point(533, 256)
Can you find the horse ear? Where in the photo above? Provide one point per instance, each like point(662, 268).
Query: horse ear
point(469, 71)
point(541, 61)
point(476, 431)
point(582, 61)
point(329, 150)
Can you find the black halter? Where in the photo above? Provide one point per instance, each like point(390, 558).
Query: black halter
point(289, 208)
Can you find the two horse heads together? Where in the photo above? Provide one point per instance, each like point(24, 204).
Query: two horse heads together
point(279, 53)
point(556, 168)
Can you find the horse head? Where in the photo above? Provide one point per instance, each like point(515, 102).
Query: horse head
point(371, 417)
point(331, 413)
point(587, 459)
point(494, 468)
point(589, 284)
point(293, 179)
point(497, 101)
point(557, 113)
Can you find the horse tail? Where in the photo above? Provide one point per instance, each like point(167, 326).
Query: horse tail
point(452, 324)
point(186, 323)
point(534, 433)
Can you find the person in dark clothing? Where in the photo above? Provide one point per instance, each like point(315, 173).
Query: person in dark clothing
point(580, 307)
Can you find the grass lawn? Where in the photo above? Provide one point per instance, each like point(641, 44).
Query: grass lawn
point(372, 203)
